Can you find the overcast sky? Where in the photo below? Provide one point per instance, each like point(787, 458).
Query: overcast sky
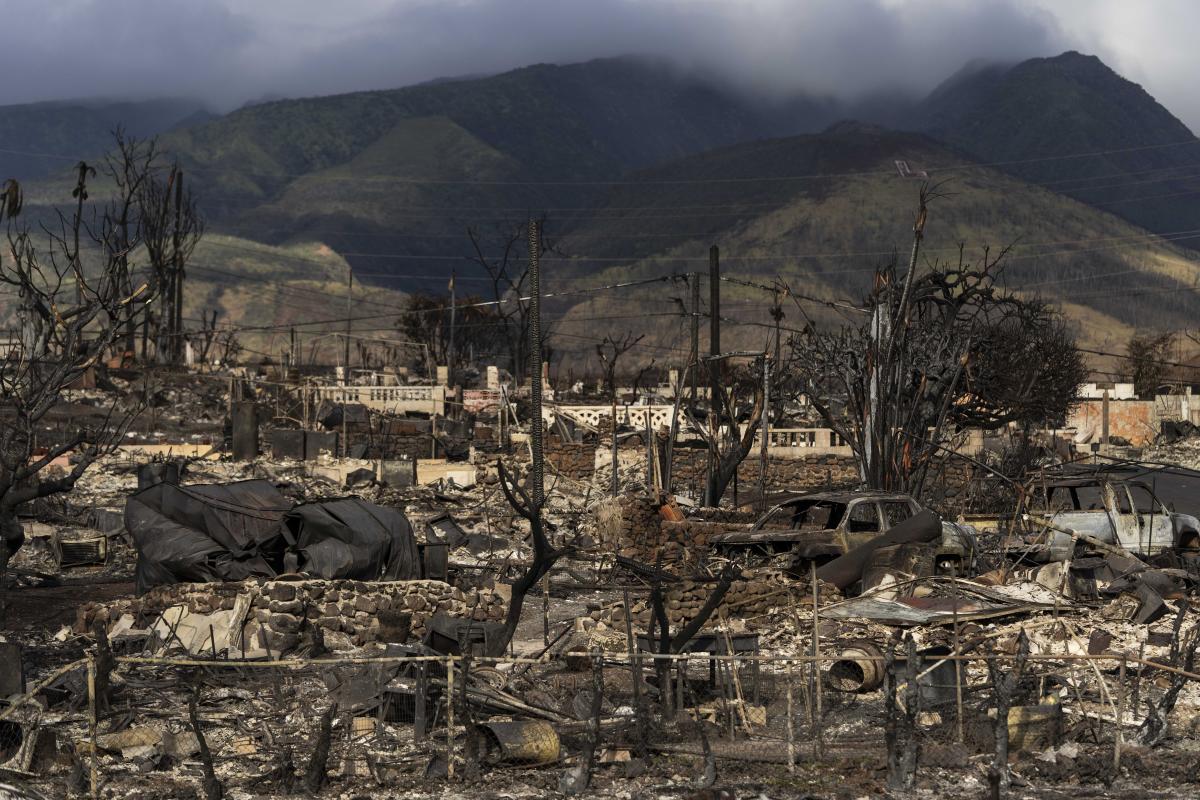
point(230, 51)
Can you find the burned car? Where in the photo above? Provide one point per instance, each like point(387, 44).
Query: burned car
point(1123, 514)
point(817, 528)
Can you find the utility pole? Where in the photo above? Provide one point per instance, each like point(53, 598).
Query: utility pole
point(766, 432)
point(714, 315)
point(714, 364)
point(176, 348)
point(450, 349)
point(535, 371)
point(695, 279)
point(349, 320)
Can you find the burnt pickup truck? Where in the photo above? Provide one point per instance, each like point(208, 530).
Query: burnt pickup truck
point(820, 527)
point(1072, 513)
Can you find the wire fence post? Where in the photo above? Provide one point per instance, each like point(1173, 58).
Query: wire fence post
point(816, 651)
point(450, 717)
point(91, 690)
point(791, 728)
point(1120, 736)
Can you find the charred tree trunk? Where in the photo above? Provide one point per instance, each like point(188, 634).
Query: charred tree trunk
point(212, 787)
point(316, 775)
point(1005, 684)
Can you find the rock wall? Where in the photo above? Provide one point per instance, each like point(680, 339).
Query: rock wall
point(574, 460)
point(761, 592)
point(640, 532)
point(364, 611)
point(808, 474)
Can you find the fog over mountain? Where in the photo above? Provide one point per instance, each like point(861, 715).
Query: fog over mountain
point(226, 52)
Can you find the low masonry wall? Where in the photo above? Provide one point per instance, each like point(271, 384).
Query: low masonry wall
point(574, 460)
point(760, 592)
point(808, 474)
point(283, 610)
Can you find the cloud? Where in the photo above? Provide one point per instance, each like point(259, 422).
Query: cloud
point(230, 51)
point(117, 48)
point(842, 47)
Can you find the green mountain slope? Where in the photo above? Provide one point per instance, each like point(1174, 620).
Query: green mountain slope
point(824, 236)
point(32, 134)
point(261, 291)
point(1146, 166)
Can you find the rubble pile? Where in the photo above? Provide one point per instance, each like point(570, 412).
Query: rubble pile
point(326, 618)
point(278, 613)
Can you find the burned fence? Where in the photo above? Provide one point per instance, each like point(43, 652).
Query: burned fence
point(586, 721)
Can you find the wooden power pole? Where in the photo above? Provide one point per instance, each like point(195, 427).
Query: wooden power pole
point(535, 371)
point(176, 342)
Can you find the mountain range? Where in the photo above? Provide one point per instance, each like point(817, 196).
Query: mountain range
point(640, 167)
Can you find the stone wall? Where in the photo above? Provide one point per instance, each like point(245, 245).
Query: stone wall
point(363, 611)
point(808, 474)
point(574, 460)
point(760, 592)
point(641, 532)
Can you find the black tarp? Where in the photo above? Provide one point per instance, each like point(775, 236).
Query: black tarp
point(213, 532)
point(230, 532)
point(351, 538)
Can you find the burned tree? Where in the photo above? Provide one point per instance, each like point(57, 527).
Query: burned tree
point(731, 427)
point(475, 329)
point(1146, 354)
point(171, 227)
point(934, 353)
point(609, 351)
point(76, 292)
point(528, 502)
point(508, 271)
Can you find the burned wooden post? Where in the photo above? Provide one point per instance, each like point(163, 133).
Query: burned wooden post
point(420, 701)
point(104, 663)
point(818, 697)
point(1004, 684)
point(213, 790)
point(1119, 735)
point(900, 725)
point(471, 752)
point(766, 432)
point(1183, 654)
point(714, 320)
point(911, 753)
point(635, 675)
point(694, 279)
point(791, 727)
point(576, 780)
point(450, 717)
point(95, 754)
